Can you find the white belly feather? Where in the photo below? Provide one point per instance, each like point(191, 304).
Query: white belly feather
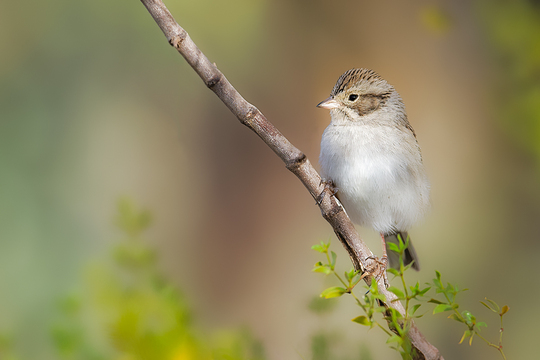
point(381, 186)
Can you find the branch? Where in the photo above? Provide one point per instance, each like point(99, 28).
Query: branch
point(361, 256)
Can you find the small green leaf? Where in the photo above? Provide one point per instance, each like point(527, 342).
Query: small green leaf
point(486, 305)
point(394, 315)
point(423, 291)
point(441, 308)
point(334, 258)
point(362, 320)
point(408, 266)
point(408, 240)
point(435, 301)
point(470, 319)
point(450, 289)
point(466, 334)
point(394, 338)
point(349, 275)
point(322, 247)
point(393, 271)
point(504, 310)
point(415, 307)
point(455, 317)
point(481, 324)
point(333, 292)
point(392, 247)
point(494, 305)
point(318, 248)
point(397, 292)
point(437, 282)
point(322, 269)
point(470, 340)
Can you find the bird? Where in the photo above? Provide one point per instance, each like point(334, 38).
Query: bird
point(371, 158)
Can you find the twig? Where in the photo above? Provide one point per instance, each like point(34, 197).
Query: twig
point(294, 159)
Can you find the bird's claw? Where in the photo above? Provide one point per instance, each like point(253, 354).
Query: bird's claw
point(330, 187)
point(378, 269)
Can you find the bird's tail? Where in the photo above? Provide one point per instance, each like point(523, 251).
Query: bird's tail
point(410, 253)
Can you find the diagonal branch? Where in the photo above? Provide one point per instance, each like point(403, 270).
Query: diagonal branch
point(294, 159)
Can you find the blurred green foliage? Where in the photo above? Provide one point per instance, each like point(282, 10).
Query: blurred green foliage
point(327, 343)
point(513, 28)
point(128, 310)
point(435, 19)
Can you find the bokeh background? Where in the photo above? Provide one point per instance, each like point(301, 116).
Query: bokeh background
point(95, 106)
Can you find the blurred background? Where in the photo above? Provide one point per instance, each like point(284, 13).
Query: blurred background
point(96, 107)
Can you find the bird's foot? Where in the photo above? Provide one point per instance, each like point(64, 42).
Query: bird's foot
point(329, 187)
point(377, 269)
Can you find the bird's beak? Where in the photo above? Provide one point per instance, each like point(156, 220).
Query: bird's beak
point(329, 103)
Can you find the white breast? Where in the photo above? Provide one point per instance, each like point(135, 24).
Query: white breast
point(378, 172)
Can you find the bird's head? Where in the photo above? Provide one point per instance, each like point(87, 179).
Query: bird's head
point(359, 92)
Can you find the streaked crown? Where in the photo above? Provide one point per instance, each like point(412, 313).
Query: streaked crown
point(364, 80)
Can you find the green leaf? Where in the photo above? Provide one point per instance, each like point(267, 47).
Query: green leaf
point(322, 247)
point(470, 340)
point(415, 307)
point(450, 289)
point(486, 305)
point(394, 338)
point(442, 308)
point(407, 241)
point(362, 320)
point(393, 271)
point(322, 269)
point(334, 258)
point(318, 248)
point(466, 334)
point(394, 315)
point(408, 266)
point(349, 275)
point(397, 292)
point(332, 292)
point(392, 247)
point(504, 310)
point(496, 307)
point(470, 319)
point(480, 325)
point(456, 317)
point(435, 301)
point(422, 292)
point(437, 282)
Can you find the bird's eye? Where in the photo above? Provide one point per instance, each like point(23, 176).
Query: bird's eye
point(353, 97)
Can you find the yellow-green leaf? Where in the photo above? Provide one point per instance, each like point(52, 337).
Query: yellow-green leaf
point(441, 308)
point(322, 269)
point(466, 334)
point(362, 320)
point(333, 292)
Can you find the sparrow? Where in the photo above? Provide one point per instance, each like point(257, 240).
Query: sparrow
point(370, 156)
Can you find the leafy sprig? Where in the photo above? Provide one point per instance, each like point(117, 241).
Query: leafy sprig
point(413, 297)
point(474, 327)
